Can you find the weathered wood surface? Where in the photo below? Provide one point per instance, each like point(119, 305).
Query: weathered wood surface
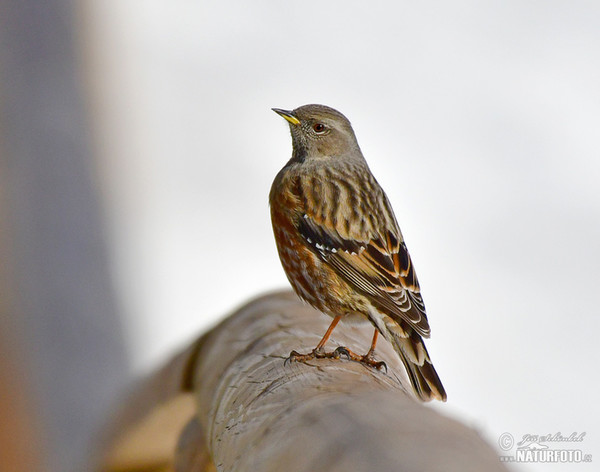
point(144, 432)
point(254, 412)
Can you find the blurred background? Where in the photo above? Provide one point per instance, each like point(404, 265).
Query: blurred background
point(138, 148)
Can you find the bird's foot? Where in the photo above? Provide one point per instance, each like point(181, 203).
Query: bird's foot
point(314, 354)
point(368, 359)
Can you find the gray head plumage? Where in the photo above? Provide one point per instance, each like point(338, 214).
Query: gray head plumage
point(320, 132)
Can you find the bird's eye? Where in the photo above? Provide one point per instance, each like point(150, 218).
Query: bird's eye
point(319, 127)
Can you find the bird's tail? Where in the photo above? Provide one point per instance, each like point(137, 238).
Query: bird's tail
point(412, 351)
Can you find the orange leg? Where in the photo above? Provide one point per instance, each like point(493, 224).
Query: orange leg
point(332, 326)
point(369, 354)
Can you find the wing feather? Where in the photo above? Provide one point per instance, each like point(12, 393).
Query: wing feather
point(379, 266)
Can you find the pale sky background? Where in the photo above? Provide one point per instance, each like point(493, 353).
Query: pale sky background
point(481, 120)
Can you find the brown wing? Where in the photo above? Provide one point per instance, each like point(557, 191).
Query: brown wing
point(379, 266)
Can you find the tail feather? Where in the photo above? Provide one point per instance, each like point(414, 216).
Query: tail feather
point(425, 380)
point(412, 351)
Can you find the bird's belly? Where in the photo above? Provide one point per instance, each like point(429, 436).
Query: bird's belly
point(315, 282)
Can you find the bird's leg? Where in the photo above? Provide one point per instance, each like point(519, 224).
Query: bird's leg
point(318, 352)
point(369, 357)
point(327, 334)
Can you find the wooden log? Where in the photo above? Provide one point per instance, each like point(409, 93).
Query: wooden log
point(258, 413)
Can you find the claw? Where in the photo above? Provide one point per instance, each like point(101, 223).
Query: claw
point(295, 356)
point(342, 351)
point(369, 360)
point(379, 365)
point(291, 358)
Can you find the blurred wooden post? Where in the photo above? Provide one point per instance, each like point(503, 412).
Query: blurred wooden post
point(252, 412)
point(62, 350)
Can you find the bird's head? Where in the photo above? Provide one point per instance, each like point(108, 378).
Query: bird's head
point(319, 132)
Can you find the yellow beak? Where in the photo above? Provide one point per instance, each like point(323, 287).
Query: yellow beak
point(288, 115)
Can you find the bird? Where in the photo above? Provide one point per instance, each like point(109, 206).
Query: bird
point(341, 247)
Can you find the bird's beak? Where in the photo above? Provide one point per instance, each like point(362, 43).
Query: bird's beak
point(288, 115)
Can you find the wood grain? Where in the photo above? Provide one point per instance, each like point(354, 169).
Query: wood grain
point(329, 415)
point(254, 412)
